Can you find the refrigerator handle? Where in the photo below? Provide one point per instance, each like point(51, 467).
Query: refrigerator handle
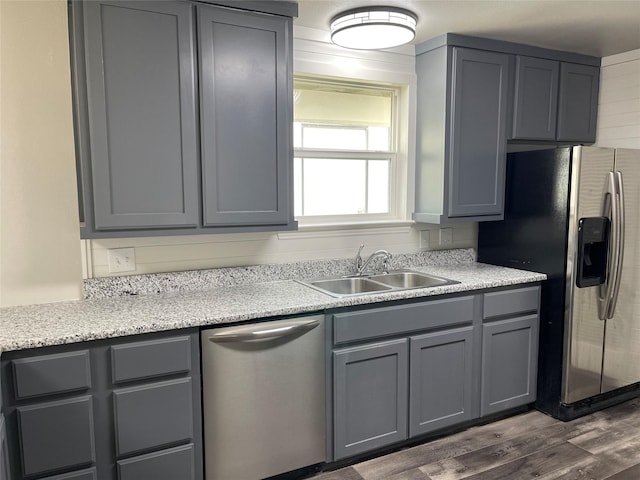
point(619, 198)
point(610, 209)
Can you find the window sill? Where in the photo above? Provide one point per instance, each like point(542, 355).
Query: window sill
point(347, 229)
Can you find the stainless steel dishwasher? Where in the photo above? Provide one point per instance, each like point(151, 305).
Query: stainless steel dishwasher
point(263, 398)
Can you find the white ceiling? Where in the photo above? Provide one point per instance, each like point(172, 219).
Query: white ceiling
point(596, 27)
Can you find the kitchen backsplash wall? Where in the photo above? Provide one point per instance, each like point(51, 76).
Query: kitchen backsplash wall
point(619, 102)
point(171, 254)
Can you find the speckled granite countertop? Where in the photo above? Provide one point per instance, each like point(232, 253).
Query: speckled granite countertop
point(97, 318)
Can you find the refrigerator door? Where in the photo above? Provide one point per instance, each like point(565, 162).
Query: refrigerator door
point(621, 364)
point(584, 331)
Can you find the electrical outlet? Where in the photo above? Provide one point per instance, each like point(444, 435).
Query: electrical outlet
point(122, 260)
point(446, 236)
point(424, 239)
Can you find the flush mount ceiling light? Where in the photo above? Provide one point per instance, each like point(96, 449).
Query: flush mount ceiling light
point(373, 28)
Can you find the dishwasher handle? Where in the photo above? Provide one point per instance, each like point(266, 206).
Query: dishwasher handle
point(268, 330)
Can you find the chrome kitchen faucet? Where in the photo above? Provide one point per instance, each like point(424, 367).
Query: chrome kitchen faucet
point(362, 265)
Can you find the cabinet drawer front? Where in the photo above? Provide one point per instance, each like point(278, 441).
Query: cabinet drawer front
point(510, 302)
point(56, 435)
point(90, 474)
point(150, 359)
point(153, 415)
point(49, 374)
point(171, 464)
point(385, 321)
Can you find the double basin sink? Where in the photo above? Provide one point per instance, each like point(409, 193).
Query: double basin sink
point(376, 283)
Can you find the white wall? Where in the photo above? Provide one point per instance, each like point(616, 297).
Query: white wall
point(39, 237)
point(619, 101)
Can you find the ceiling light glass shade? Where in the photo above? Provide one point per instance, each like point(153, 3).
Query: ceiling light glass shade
point(373, 28)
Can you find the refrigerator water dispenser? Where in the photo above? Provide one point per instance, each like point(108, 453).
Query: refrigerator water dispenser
point(593, 234)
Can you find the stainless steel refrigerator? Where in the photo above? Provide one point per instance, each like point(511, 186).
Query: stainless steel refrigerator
point(574, 214)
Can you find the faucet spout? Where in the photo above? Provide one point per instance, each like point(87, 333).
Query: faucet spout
point(361, 266)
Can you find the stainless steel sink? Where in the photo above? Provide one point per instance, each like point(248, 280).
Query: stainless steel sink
point(347, 286)
point(406, 279)
point(376, 283)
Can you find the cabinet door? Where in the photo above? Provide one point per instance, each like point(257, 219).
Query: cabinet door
point(140, 81)
point(4, 455)
point(478, 133)
point(509, 363)
point(370, 397)
point(245, 105)
point(536, 99)
point(578, 103)
point(441, 378)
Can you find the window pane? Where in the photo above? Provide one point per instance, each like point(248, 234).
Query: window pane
point(334, 187)
point(297, 135)
point(379, 139)
point(378, 191)
point(342, 105)
point(297, 187)
point(334, 138)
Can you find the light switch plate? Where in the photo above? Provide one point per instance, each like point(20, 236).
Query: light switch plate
point(424, 239)
point(122, 260)
point(446, 236)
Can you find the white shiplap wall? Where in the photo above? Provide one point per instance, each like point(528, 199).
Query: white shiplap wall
point(619, 101)
point(313, 54)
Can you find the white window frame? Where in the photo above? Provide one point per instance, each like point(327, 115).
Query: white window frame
point(398, 162)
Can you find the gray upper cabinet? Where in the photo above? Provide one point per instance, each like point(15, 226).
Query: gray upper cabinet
point(145, 82)
point(244, 103)
point(578, 103)
point(555, 101)
point(142, 123)
point(473, 95)
point(461, 135)
point(535, 99)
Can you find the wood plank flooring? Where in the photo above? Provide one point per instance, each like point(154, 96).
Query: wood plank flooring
point(602, 446)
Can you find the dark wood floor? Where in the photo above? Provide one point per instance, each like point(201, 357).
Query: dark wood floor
point(603, 445)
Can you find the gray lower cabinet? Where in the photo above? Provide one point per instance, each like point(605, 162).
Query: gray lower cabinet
point(441, 397)
point(390, 389)
point(370, 396)
point(554, 101)
point(183, 117)
point(401, 371)
point(171, 464)
point(461, 141)
point(509, 349)
point(111, 409)
point(4, 455)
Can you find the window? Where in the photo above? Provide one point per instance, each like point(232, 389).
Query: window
point(345, 161)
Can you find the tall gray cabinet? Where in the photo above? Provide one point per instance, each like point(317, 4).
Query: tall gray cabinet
point(183, 117)
point(461, 135)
